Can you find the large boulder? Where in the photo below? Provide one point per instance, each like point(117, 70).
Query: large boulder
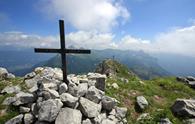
point(49, 110)
point(89, 108)
point(68, 99)
point(69, 116)
point(94, 94)
point(15, 120)
point(141, 103)
point(184, 108)
point(3, 73)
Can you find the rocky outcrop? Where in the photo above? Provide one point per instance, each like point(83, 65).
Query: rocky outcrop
point(184, 108)
point(50, 100)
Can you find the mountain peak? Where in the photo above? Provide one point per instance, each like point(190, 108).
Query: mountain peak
point(111, 68)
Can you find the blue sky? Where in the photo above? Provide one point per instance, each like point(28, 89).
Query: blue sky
point(120, 21)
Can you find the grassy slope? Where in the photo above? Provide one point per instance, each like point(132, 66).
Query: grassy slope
point(161, 93)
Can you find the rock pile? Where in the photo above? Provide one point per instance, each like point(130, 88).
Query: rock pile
point(189, 80)
point(49, 100)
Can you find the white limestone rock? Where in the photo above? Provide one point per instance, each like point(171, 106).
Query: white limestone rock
point(94, 94)
point(49, 110)
point(69, 116)
point(89, 108)
point(69, 100)
point(11, 89)
point(16, 120)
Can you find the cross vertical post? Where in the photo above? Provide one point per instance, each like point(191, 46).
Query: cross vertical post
point(63, 54)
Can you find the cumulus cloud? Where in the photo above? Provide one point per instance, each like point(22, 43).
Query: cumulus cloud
point(21, 39)
point(78, 39)
point(179, 41)
point(88, 15)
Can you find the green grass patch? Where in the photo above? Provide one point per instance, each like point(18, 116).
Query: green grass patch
point(161, 94)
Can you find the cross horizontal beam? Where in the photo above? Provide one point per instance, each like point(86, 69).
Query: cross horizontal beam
point(48, 50)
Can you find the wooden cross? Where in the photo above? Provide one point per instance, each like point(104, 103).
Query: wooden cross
point(63, 51)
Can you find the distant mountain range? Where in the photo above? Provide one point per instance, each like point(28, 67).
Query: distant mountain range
point(176, 64)
point(22, 61)
point(139, 62)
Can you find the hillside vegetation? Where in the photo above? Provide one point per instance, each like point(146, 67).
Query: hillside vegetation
point(160, 93)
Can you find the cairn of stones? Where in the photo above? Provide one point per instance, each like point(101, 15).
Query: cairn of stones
point(49, 100)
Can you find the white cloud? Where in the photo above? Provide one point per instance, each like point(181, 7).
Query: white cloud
point(91, 40)
point(179, 41)
point(25, 40)
point(88, 15)
point(78, 39)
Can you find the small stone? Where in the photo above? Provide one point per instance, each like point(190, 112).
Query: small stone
point(115, 86)
point(11, 89)
point(63, 88)
point(28, 118)
point(3, 73)
point(68, 99)
point(10, 76)
point(9, 100)
point(164, 121)
point(98, 119)
point(30, 75)
point(82, 89)
point(86, 121)
point(24, 98)
point(108, 121)
point(144, 116)
point(24, 109)
point(108, 103)
point(142, 103)
point(15, 120)
point(121, 112)
point(35, 109)
point(94, 94)
point(190, 78)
